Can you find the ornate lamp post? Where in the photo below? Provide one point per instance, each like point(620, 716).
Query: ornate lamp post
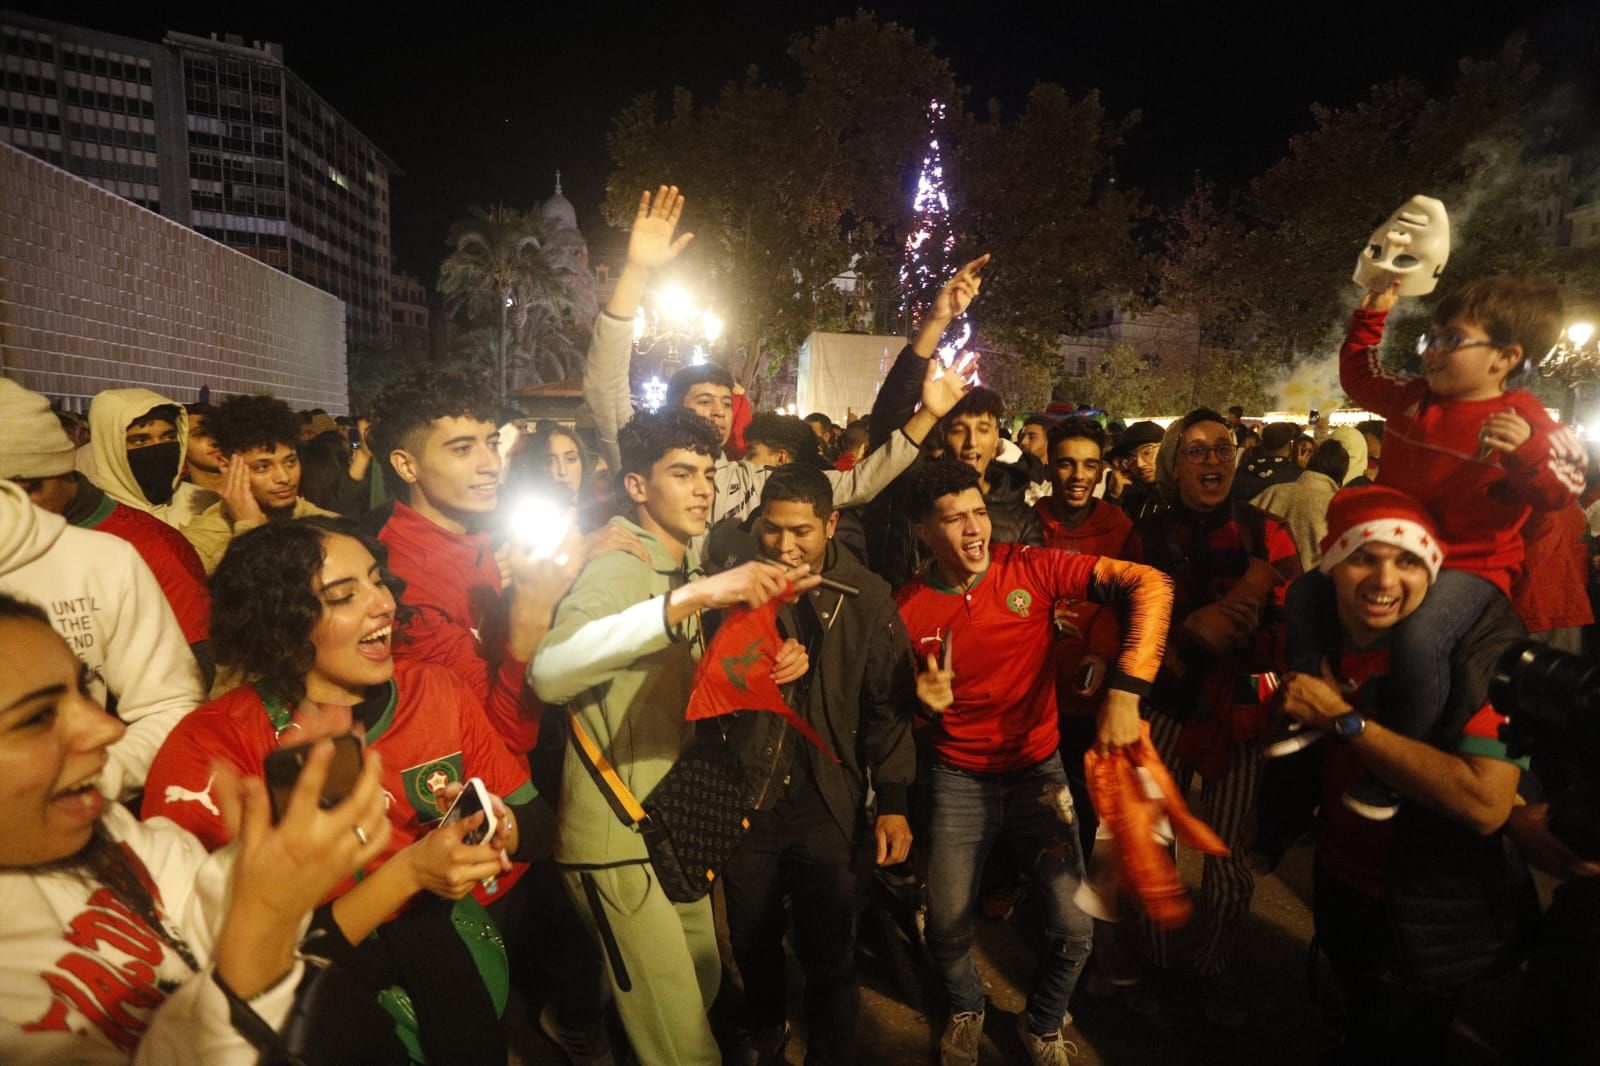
point(1574, 362)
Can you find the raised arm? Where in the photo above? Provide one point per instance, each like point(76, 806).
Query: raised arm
point(651, 245)
point(1360, 373)
point(897, 396)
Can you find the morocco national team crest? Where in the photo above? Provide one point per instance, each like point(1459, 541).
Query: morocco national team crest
point(1018, 601)
point(425, 784)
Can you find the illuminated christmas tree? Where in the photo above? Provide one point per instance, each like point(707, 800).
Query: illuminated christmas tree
point(927, 261)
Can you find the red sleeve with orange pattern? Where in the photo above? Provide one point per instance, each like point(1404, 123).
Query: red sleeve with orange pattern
point(1143, 598)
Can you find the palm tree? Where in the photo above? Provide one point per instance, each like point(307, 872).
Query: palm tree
point(521, 271)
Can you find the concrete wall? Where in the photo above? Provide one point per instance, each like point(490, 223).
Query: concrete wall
point(96, 292)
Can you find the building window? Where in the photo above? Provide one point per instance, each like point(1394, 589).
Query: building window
point(1083, 365)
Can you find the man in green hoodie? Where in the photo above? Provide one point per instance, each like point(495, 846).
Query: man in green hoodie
point(622, 653)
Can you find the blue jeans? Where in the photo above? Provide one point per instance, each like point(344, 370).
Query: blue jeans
point(1420, 649)
point(970, 811)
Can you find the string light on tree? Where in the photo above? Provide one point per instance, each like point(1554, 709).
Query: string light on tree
point(928, 258)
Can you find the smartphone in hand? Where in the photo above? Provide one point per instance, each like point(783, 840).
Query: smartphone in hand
point(474, 797)
point(282, 769)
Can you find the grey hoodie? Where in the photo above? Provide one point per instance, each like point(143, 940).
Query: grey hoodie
point(106, 603)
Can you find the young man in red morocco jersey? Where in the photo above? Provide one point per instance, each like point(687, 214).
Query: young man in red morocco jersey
point(980, 618)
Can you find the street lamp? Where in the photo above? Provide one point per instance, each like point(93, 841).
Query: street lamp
point(1574, 362)
point(675, 324)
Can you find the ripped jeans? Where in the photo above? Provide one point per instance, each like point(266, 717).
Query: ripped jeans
point(970, 812)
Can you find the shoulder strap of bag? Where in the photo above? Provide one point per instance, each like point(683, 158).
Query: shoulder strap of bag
point(617, 794)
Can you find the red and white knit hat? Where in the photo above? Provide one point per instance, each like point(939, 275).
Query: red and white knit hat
point(1374, 514)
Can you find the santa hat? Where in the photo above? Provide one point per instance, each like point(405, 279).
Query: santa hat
point(1374, 514)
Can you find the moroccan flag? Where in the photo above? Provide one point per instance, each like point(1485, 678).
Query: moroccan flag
point(735, 673)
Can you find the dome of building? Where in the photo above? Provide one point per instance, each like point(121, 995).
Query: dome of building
point(558, 208)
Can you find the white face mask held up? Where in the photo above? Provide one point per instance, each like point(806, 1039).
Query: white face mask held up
point(1412, 247)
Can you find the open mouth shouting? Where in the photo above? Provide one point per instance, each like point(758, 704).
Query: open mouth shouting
point(375, 646)
point(81, 801)
point(975, 552)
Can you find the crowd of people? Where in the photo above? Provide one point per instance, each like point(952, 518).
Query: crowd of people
point(322, 734)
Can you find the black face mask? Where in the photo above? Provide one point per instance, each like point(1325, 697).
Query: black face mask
point(155, 468)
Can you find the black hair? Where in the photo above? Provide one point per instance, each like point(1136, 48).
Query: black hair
point(818, 416)
point(204, 410)
point(263, 608)
point(408, 406)
point(1278, 436)
point(785, 432)
point(802, 482)
point(19, 610)
point(1199, 415)
point(931, 481)
point(650, 435)
point(679, 384)
point(1038, 418)
point(1078, 426)
point(244, 423)
point(980, 401)
point(1372, 427)
point(166, 412)
point(1330, 458)
point(324, 463)
point(1236, 410)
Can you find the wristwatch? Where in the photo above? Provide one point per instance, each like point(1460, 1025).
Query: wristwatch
point(1349, 725)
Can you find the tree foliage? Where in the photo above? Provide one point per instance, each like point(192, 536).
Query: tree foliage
point(1268, 270)
point(517, 285)
point(793, 183)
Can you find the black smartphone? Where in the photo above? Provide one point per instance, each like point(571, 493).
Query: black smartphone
point(281, 769)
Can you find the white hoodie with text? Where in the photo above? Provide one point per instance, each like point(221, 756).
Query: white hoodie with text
point(107, 604)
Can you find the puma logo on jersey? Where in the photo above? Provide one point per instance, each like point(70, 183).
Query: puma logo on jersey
point(175, 793)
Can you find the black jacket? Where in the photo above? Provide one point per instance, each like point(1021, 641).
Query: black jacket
point(862, 692)
point(1138, 502)
point(1461, 904)
point(1264, 470)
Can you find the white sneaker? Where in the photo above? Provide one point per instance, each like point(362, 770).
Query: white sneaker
point(1052, 1050)
point(583, 1047)
point(963, 1033)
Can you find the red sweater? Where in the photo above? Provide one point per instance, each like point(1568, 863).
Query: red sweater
point(1431, 452)
point(168, 554)
point(1553, 592)
point(1000, 634)
point(1083, 628)
point(453, 585)
point(429, 730)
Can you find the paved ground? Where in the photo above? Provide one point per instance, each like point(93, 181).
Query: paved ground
point(901, 1016)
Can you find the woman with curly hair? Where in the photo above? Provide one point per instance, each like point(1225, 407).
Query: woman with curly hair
point(127, 942)
point(306, 612)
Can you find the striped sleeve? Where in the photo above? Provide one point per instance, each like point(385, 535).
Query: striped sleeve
point(1143, 598)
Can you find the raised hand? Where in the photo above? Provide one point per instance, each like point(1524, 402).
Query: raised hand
point(1382, 299)
point(943, 387)
point(959, 292)
point(650, 243)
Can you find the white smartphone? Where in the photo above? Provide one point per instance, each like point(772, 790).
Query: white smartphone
point(474, 798)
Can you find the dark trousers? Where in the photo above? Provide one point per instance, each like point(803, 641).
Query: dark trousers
point(797, 849)
point(1385, 1021)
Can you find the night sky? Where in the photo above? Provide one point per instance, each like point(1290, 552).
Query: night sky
point(486, 106)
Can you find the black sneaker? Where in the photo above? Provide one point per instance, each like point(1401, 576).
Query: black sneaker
point(1288, 737)
point(1371, 798)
